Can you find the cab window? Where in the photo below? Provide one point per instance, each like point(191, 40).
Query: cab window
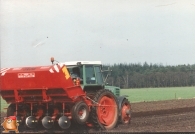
point(98, 75)
point(90, 75)
point(76, 72)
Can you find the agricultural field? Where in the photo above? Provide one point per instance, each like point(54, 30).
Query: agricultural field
point(3, 105)
point(150, 94)
point(157, 94)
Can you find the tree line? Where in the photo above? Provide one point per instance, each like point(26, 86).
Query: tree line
point(150, 75)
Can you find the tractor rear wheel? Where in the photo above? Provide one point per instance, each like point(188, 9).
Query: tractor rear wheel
point(125, 112)
point(105, 110)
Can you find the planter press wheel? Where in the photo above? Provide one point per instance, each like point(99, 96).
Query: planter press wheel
point(80, 112)
point(125, 117)
point(105, 110)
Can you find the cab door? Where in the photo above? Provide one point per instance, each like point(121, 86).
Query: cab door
point(93, 75)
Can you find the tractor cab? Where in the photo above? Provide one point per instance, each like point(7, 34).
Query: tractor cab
point(88, 73)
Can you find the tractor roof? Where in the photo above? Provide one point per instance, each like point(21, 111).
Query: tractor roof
point(82, 63)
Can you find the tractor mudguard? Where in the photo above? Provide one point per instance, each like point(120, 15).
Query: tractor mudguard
point(120, 100)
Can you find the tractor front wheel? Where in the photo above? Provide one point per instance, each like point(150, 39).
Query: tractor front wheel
point(125, 112)
point(105, 110)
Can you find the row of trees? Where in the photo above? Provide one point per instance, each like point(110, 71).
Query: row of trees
point(150, 75)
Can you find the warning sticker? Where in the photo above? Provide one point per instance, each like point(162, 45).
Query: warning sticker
point(26, 75)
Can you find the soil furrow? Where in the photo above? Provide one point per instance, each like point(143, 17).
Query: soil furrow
point(161, 112)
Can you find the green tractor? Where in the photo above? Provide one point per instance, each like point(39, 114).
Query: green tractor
point(90, 75)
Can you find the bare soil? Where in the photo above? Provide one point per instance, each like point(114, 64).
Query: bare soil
point(159, 116)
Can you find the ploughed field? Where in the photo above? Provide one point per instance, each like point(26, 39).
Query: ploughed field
point(156, 116)
point(162, 116)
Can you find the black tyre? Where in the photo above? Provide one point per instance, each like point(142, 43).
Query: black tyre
point(125, 117)
point(105, 110)
point(80, 113)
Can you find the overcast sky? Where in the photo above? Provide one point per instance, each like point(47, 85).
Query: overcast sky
point(112, 31)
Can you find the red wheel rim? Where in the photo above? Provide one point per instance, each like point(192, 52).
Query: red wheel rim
point(106, 111)
point(124, 113)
